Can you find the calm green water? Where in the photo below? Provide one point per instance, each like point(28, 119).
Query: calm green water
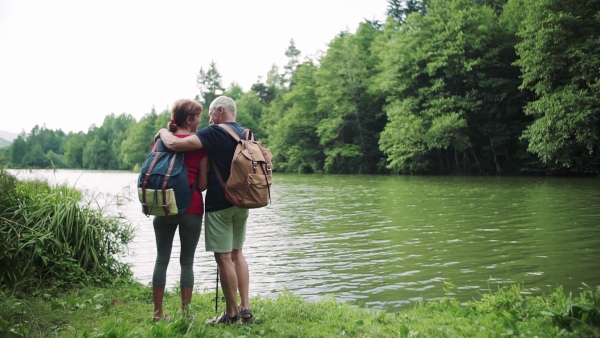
point(388, 241)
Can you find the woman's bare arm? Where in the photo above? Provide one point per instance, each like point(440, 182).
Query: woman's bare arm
point(177, 144)
point(203, 173)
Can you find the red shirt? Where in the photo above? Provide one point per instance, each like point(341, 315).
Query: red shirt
point(192, 160)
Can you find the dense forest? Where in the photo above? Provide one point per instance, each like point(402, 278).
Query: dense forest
point(440, 87)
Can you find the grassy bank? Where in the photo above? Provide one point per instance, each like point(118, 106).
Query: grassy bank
point(125, 310)
point(52, 236)
point(60, 277)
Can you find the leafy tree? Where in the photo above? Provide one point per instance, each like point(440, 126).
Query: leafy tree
point(496, 5)
point(74, 146)
point(264, 93)
point(400, 9)
point(210, 87)
point(115, 131)
point(271, 120)
point(293, 55)
point(274, 79)
point(291, 121)
point(36, 158)
point(18, 150)
point(56, 160)
point(454, 98)
point(162, 120)
point(46, 138)
point(209, 84)
point(559, 55)
point(234, 91)
point(97, 154)
point(5, 157)
point(139, 141)
point(249, 112)
point(103, 144)
point(40, 148)
point(349, 133)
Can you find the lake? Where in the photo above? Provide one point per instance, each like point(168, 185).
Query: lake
point(389, 241)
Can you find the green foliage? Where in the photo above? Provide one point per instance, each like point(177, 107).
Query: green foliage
point(453, 93)
point(399, 10)
point(74, 150)
point(210, 85)
point(559, 58)
point(98, 149)
point(42, 148)
point(5, 154)
point(264, 93)
point(249, 113)
point(56, 160)
point(349, 130)
point(161, 120)
point(293, 55)
point(50, 236)
point(139, 140)
point(18, 151)
point(35, 157)
point(103, 144)
point(407, 153)
point(96, 154)
point(580, 314)
point(291, 121)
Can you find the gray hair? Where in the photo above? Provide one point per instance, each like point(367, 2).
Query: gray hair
point(226, 102)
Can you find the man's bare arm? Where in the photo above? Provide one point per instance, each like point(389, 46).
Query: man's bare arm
point(175, 143)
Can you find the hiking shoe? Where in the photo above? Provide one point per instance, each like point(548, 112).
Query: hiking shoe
point(223, 318)
point(245, 315)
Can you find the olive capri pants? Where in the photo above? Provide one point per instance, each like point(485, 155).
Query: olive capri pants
point(190, 226)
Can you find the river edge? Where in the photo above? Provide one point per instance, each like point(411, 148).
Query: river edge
point(125, 310)
point(506, 260)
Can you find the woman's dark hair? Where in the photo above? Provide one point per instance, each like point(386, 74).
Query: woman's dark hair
point(181, 110)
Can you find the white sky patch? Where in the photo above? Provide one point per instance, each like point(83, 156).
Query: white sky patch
point(67, 64)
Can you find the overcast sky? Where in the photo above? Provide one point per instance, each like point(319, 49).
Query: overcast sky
point(67, 64)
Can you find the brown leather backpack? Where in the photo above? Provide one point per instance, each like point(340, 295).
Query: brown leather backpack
point(251, 174)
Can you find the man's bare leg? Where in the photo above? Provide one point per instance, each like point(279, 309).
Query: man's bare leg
point(229, 281)
point(243, 277)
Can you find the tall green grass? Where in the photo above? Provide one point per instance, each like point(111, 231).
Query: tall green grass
point(53, 236)
point(125, 310)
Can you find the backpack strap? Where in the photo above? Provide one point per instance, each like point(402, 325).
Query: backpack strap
point(159, 144)
point(248, 132)
point(232, 133)
point(146, 177)
point(165, 181)
point(218, 173)
point(249, 137)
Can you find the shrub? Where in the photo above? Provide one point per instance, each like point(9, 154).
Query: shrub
point(51, 236)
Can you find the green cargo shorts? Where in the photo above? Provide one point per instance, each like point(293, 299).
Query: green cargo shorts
point(225, 230)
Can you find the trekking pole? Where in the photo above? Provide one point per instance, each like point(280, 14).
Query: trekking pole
point(217, 290)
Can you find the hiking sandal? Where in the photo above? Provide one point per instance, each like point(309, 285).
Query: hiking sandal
point(157, 319)
point(246, 316)
point(223, 318)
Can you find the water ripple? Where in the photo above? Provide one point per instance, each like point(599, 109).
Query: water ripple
point(389, 241)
